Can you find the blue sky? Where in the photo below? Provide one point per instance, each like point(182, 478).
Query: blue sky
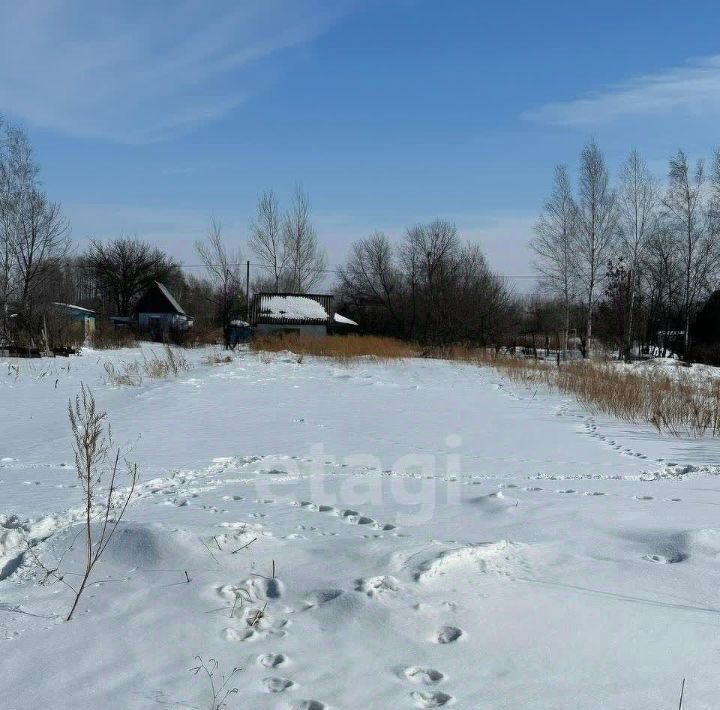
point(149, 118)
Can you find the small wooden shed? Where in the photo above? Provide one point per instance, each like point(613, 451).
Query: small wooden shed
point(158, 312)
point(302, 313)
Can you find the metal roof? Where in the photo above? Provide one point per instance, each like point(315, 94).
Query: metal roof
point(292, 309)
point(171, 299)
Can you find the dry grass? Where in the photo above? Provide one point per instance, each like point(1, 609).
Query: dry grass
point(156, 367)
point(681, 403)
point(684, 403)
point(125, 374)
point(171, 362)
point(342, 348)
point(109, 338)
point(217, 359)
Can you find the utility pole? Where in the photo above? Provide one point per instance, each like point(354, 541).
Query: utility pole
point(247, 289)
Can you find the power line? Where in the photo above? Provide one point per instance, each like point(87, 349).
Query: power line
point(319, 271)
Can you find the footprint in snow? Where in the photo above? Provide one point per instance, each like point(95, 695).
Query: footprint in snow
point(643, 498)
point(322, 596)
point(272, 660)
point(277, 685)
point(431, 700)
point(238, 634)
point(665, 559)
point(309, 705)
point(355, 518)
point(427, 676)
point(448, 634)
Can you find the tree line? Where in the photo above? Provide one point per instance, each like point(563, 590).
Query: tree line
point(634, 260)
point(622, 264)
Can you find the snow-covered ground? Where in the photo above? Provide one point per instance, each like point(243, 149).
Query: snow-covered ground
point(439, 537)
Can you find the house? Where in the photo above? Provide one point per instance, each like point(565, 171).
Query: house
point(307, 313)
point(301, 313)
point(158, 312)
point(77, 314)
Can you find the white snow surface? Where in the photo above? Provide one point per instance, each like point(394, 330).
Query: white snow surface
point(292, 307)
point(439, 537)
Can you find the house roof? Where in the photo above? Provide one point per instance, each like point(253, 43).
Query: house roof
point(158, 299)
point(343, 320)
point(71, 307)
point(171, 298)
point(292, 308)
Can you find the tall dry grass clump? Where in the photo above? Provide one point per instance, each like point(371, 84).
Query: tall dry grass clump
point(156, 366)
point(343, 348)
point(681, 402)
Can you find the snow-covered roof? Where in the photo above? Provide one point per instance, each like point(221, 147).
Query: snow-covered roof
point(292, 308)
point(342, 319)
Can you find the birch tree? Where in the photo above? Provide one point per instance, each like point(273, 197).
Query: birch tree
point(554, 244)
point(306, 261)
point(267, 238)
point(597, 229)
point(637, 203)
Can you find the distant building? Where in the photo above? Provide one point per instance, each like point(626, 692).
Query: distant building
point(158, 313)
point(307, 313)
point(301, 313)
point(78, 314)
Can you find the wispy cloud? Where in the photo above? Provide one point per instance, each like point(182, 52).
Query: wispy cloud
point(693, 88)
point(140, 72)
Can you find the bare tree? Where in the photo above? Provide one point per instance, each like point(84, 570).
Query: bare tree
point(429, 258)
point(686, 218)
point(370, 277)
point(554, 245)
point(637, 203)
point(225, 273)
point(32, 231)
point(305, 260)
point(40, 241)
point(597, 228)
point(125, 267)
point(267, 237)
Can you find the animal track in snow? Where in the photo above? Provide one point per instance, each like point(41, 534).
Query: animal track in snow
point(448, 634)
point(277, 685)
point(309, 705)
point(272, 660)
point(321, 597)
point(430, 699)
point(230, 634)
point(352, 517)
point(665, 559)
point(427, 676)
